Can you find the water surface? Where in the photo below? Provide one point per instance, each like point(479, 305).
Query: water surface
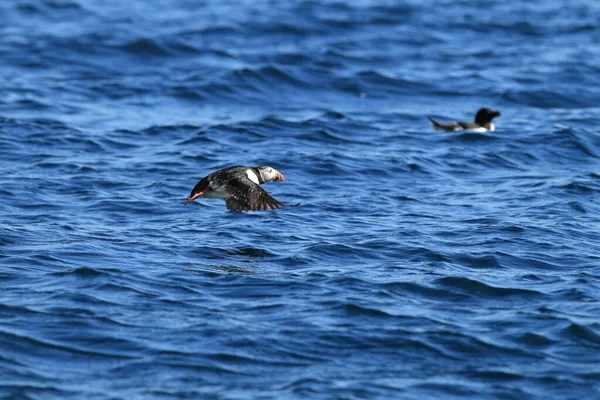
point(419, 265)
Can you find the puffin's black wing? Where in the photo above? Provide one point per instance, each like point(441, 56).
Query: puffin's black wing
point(248, 196)
point(468, 125)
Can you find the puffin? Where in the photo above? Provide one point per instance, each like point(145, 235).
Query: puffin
point(483, 122)
point(240, 187)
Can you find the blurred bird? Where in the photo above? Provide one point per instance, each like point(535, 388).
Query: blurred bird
point(483, 122)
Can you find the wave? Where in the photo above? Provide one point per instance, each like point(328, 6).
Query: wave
point(583, 333)
point(463, 263)
point(544, 98)
point(376, 84)
point(479, 289)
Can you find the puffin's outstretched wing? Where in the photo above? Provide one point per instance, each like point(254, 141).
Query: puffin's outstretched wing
point(248, 196)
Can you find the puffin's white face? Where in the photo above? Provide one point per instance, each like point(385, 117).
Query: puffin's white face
point(270, 174)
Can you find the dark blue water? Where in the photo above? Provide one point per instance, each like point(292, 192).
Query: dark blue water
point(419, 265)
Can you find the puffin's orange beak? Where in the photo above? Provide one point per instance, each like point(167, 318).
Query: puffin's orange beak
point(279, 177)
point(194, 197)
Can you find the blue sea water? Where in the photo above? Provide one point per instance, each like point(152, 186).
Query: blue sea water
point(419, 265)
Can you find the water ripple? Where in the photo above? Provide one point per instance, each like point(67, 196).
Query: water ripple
point(419, 264)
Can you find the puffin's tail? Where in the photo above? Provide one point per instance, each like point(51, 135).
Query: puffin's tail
point(436, 124)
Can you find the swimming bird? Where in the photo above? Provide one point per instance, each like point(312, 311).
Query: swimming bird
point(483, 122)
point(240, 187)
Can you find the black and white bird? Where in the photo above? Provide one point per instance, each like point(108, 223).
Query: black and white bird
point(483, 122)
point(240, 187)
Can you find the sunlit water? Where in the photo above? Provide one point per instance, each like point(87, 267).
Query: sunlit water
point(420, 264)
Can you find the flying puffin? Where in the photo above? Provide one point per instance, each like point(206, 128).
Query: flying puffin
point(483, 122)
point(240, 187)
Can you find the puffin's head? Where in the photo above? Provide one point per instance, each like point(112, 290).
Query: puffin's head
point(270, 174)
point(485, 115)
